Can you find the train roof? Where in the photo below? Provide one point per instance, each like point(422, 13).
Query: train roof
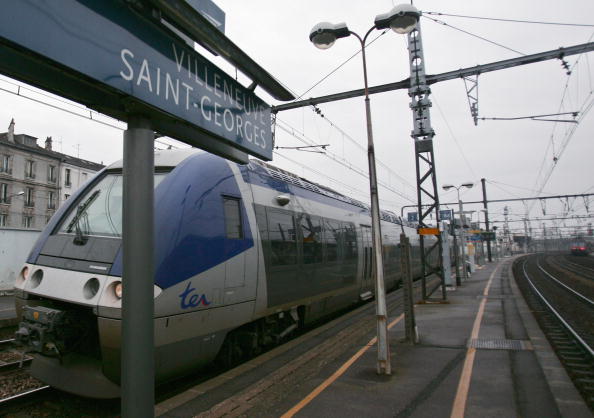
point(288, 177)
point(171, 158)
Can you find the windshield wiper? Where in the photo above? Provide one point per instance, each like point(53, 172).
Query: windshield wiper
point(80, 238)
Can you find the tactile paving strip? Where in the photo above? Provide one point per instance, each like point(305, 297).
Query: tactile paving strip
point(500, 344)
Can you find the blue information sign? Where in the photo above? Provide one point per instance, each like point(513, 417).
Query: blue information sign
point(413, 216)
point(446, 215)
point(130, 62)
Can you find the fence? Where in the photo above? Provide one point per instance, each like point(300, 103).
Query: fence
point(15, 245)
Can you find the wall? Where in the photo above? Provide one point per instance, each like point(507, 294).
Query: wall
point(15, 245)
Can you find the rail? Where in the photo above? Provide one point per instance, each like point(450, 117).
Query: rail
point(556, 314)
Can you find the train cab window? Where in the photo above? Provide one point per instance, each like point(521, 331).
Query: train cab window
point(311, 239)
point(233, 227)
point(282, 237)
point(99, 209)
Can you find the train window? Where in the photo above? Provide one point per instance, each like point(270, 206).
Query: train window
point(310, 239)
point(99, 211)
point(282, 237)
point(350, 241)
point(233, 227)
point(332, 237)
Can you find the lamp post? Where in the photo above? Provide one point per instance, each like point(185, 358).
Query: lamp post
point(462, 218)
point(402, 19)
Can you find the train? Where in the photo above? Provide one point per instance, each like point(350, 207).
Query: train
point(244, 256)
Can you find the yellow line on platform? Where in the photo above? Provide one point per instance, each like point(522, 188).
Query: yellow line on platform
point(464, 384)
point(335, 375)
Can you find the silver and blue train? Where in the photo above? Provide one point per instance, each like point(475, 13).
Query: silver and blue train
point(245, 255)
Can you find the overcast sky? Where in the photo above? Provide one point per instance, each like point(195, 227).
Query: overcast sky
point(514, 156)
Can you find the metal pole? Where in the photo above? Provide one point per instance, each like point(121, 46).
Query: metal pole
point(383, 348)
point(462, 236)
point(137, 361)
point(411, 332)
point(456, 255)
point(525, 235)
point(486, 219)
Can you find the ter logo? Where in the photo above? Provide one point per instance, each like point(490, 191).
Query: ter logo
point(190, 299)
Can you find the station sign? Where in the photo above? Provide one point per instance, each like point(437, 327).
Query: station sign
point(412, 216)
point(211, 11)
point(488, 236)
point(119, 61)
point(446, 215)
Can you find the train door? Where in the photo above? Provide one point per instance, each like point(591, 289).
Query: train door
point(366, 263)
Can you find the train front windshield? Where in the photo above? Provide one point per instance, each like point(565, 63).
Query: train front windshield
point(99, 212)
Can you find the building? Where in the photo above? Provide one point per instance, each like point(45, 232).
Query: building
point(34, 180)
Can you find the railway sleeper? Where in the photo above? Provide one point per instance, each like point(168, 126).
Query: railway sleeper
point(581, 366)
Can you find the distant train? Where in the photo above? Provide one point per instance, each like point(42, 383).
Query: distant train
point(580, 248)
point(244, 256)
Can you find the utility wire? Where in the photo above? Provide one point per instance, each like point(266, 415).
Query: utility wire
point(340, 66)
point(472, 34)
point(91, 112)
point(340, 160)
point(364, 149)
point(460, 149)
point(510, 20)
point(552, 136)
point(347, 186)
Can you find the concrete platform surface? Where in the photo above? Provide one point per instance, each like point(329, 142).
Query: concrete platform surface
point(479, 355)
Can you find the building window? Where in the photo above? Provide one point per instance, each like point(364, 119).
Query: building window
point(5, 164)
point(29, 200)
point(51, 173)
point(84, 177)
point(232, 210)
point(4, 193)
point(51, 200)
point(27, 221)
point(67, 180)
point(30, 169)
point(3, 219)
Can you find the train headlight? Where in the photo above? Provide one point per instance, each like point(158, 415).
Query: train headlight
point(117, 290)
point(22, 277)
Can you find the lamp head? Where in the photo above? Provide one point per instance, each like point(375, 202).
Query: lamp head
point(447, 186)
point(22, 192)
point(468, 184)
point(324, 34)
point(401, 19)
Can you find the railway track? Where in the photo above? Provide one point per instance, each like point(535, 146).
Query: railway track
point(574, 264)
point(566, 320)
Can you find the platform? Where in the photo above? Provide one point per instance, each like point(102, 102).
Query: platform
point(480, 355)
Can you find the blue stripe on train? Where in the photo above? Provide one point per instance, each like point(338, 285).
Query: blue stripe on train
point(190, 222)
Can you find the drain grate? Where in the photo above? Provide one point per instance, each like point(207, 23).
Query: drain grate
point(500, 344)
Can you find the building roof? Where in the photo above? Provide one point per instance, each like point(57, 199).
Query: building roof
point(28, 143)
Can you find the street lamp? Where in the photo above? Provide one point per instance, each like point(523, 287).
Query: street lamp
point(402, 19)
point(462, 218)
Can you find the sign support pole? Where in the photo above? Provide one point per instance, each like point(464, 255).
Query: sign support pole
point(410, 326)
point(137, 355)
point(425, 163)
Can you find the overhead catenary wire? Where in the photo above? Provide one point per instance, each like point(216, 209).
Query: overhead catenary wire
point(88, 117)
point(440, 22)
point(460, 149)
point(510, 20)
point(551, 144)
point(291, 131)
